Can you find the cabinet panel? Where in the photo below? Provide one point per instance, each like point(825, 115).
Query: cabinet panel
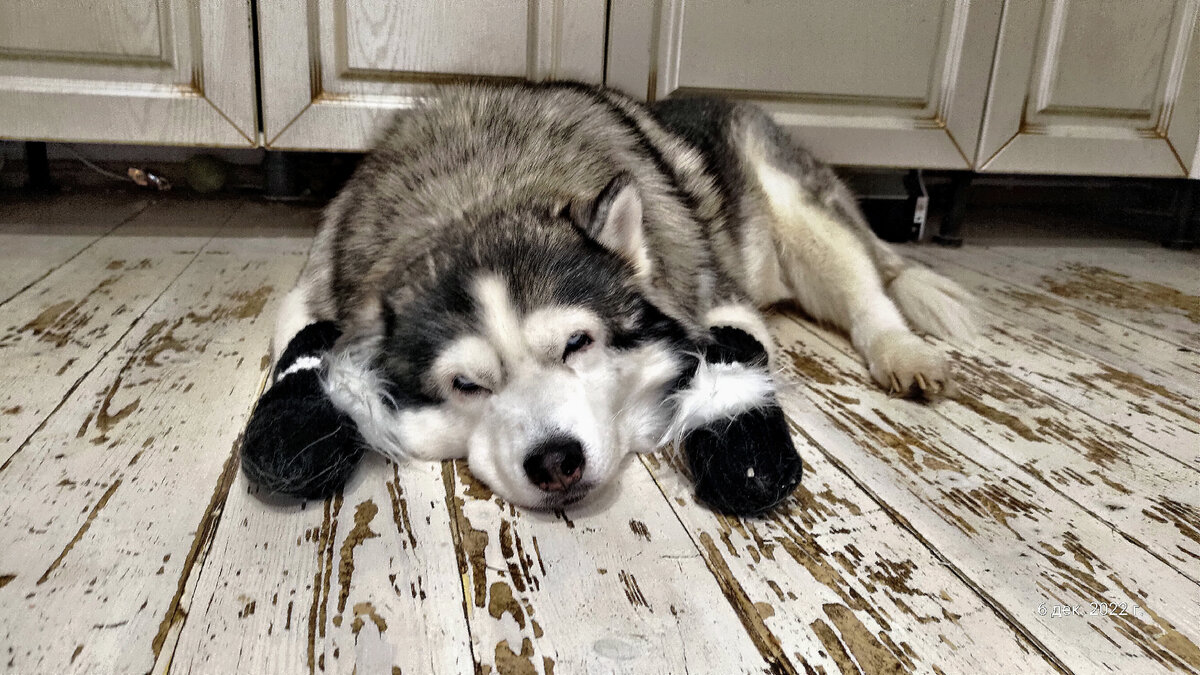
point(124, 29)
point(333, 72)
point(1096, 87)
point(138, 71)
point(383, 38)
point(801, 48)
point(858, 81)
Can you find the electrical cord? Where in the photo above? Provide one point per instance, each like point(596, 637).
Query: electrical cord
point(91, 165)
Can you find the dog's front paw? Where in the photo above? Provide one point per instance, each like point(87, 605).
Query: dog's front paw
point(297, 443)
point(736, 440)
point(744, 465)
point(905, 364)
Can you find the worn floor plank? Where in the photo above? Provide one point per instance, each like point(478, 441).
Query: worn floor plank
point(837, 584)
point(1150, 496)
point(923, 538)
point(37, 235)
point(368, 580)
point(1149, 410)
point(1155, 360)
point(616, 586)
point(1018, 542)
point(1150, 263)
point(109, 505)
point(53, 333)
point(1160, 298)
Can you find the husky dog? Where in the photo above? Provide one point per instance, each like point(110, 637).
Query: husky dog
point(544, 278)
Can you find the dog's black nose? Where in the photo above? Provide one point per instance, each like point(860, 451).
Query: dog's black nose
point(555, 464)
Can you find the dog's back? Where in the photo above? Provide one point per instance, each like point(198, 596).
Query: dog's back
point(482, 148)
point(735, 212)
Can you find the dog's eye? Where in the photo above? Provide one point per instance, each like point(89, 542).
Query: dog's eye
point(468, 387)
point(578, 341)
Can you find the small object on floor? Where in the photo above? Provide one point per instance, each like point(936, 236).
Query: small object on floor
point(297, 443)
point(206, 173)
point(147, 178)
point(745, 463)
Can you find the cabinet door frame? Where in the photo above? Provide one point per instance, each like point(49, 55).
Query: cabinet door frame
point(199, 90)
point(1012, 144)
point(301, 113)
point(643, 61)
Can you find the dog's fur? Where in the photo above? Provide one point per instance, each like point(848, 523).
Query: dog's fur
point(496, 229)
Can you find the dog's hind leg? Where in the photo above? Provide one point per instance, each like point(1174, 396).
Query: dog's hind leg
point(830, 271)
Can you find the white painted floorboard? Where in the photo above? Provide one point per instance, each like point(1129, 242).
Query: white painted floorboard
point(924, 538)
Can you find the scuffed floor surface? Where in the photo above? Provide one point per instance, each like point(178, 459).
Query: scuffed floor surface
point(1047, 521)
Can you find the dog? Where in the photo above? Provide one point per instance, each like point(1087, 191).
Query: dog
point(544, 278)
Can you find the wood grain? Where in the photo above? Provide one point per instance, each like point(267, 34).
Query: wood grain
point(1018, 543)
point(831, 579)
point(367, 579)
point(854, 110)
point(615, 586)
point(1149, 496)
point(1147, 407)
point(146, 71)
point(113, 28)
point(1081, 91)
point(362, 62)
point(110, 504)
point(923, 538)
point(58, 329)
point(38, 235)
point(1159, 296)
point(1091, 328)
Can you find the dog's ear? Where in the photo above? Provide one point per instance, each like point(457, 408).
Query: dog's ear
point(616, 222)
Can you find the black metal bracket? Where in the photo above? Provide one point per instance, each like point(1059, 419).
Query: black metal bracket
point(37, 168)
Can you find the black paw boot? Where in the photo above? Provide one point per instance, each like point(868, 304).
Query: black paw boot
point(744, 463)
point(297, 443)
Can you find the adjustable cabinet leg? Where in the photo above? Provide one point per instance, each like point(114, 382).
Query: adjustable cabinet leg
point(282, 176)
point(37, 167)
point(950, 231)
point(1185, 231)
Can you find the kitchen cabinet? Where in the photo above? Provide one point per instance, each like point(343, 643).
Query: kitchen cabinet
point(169, 72)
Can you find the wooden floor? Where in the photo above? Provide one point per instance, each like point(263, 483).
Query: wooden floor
point(1047, 521)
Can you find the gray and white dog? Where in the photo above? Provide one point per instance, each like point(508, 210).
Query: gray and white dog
point(537, 277)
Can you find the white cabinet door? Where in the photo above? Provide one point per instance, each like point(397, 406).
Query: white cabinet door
point(1095, 87)
point(869, 82)
point(334, 71)
point(136, 71)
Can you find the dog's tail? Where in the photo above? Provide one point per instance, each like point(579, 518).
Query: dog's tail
point(929, 301)
point(936, 305)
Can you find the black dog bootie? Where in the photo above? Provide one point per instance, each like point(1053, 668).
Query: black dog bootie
point(742, 459)
point(297, 443)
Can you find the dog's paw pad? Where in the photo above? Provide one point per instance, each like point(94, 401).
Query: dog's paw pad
point(906, 365)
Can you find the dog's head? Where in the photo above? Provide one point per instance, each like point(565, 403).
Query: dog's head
point(530, 345)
